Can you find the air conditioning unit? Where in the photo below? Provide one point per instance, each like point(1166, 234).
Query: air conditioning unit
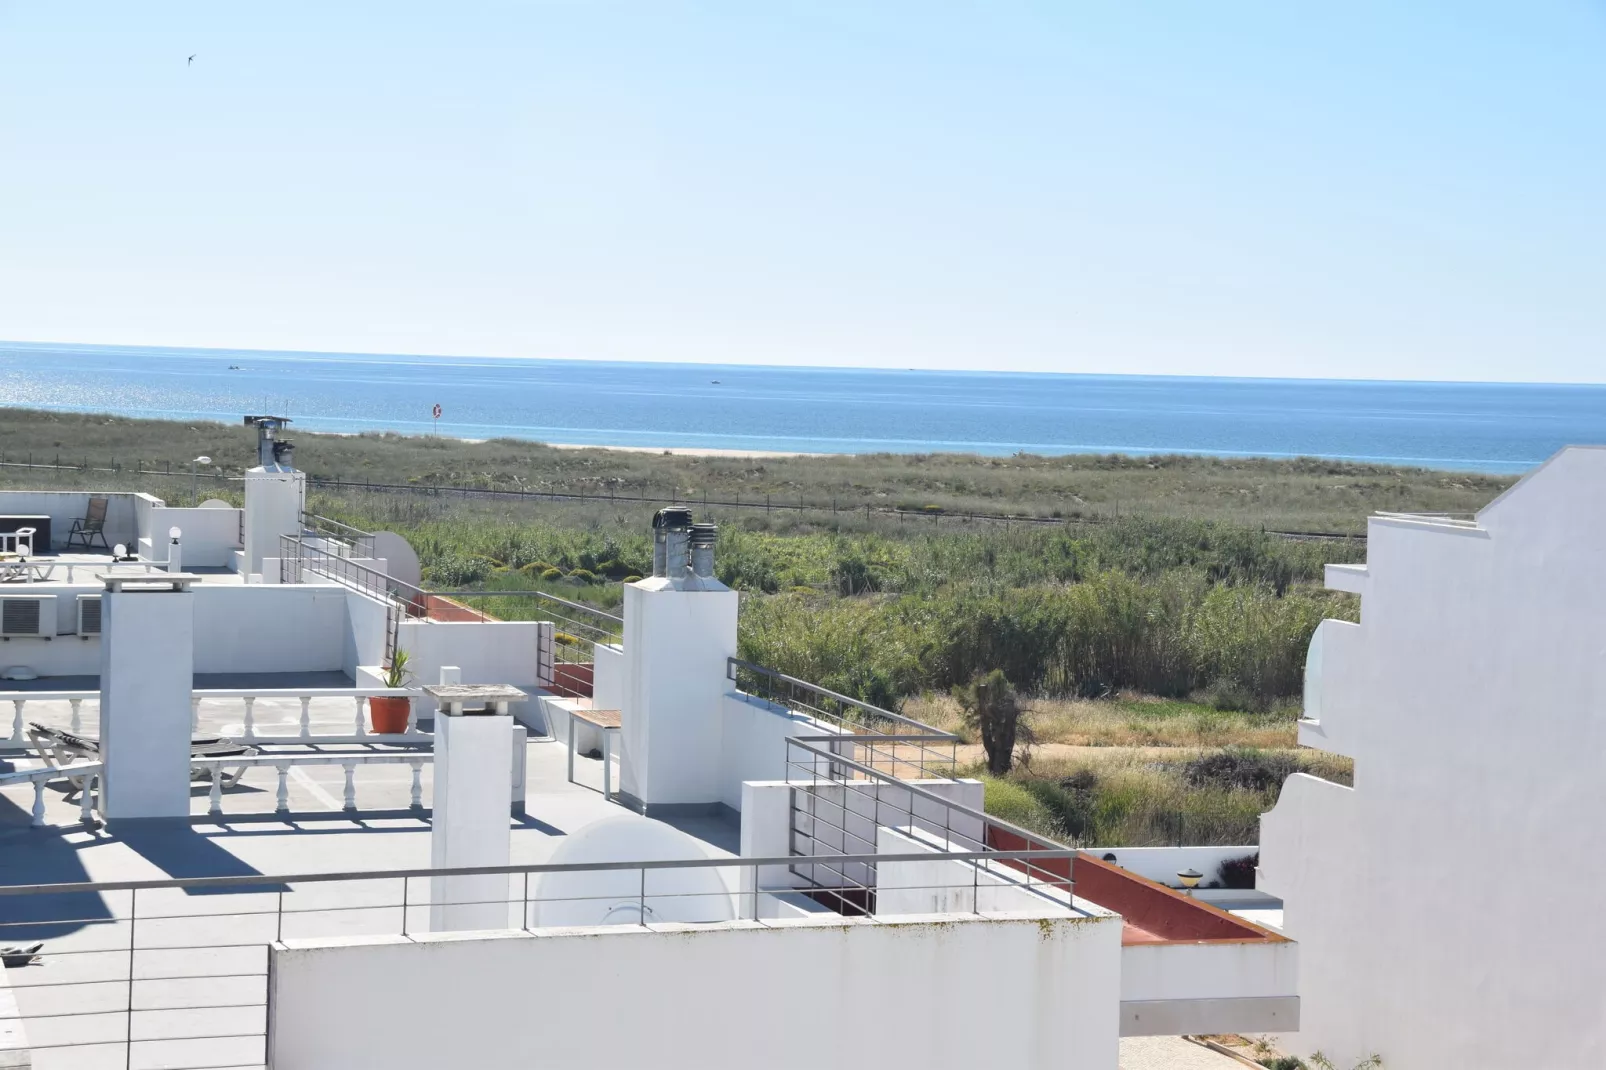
point(88, 615)
point(33, 616)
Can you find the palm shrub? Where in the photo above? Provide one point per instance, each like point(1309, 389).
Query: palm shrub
point(992, 708)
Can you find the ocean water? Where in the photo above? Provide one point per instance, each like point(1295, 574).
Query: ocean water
point(1494, 427)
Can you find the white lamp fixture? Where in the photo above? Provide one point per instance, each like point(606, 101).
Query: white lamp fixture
point(174, 552)
point(195, 494)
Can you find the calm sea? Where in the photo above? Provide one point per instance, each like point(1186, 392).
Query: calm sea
point(1493, 427)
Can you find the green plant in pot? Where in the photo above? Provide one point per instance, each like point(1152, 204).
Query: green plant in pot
point(387, 714)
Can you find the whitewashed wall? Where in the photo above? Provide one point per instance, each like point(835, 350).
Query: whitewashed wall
point(364, 640)
point(1035, 993)
point(487, 652)
point(65, 506)
point(209, 540)
point(1447, 906)
point(753, 746)
point(607, 677)
point(295, 628)
point(849, 823)
point(1162, 864)
point(950, 886)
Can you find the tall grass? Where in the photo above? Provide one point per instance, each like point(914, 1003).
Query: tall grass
point(1129, 799)
point(1171, 635)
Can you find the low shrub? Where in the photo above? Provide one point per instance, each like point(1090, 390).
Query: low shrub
point(1282, 1062)
point(1245, 768)
point(1238, 872)
point(552, 574)
point(584, 575)
point(1011, 802)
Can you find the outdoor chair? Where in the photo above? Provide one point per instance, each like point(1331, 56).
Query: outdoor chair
point(90, 528)
point(57, 747)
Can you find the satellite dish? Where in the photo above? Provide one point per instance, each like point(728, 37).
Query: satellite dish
point(215, 503)
point(613, 896)
point(401, 560)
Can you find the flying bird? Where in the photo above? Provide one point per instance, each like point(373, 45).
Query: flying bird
point(191, 61)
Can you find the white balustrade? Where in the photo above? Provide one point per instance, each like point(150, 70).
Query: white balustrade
point(359, 697)
point(248, 698)
point(19, 719)
point(282, 764)
point(86, 773)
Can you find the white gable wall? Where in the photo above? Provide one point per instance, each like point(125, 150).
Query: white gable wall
point(1448, 905)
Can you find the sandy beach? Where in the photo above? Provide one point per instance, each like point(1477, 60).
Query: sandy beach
point(679, 451)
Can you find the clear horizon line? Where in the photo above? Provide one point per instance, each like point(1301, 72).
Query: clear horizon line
point(436, 357)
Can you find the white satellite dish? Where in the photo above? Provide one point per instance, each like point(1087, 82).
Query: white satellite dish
point(401, 560)
point(215, 503)
point(614, 896)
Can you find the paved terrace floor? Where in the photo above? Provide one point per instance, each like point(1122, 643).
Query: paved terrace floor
point(80, 996)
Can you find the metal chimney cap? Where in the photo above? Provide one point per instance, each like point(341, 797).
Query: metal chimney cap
point(672, 516)
point(704, 534)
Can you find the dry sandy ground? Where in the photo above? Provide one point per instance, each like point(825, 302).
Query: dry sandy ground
point(1171, 1053)
point(683, 451)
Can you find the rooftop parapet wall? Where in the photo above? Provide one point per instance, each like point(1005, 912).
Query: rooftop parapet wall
point(126, 512)
point(851, 981)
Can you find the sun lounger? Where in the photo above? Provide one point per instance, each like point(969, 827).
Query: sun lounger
point(57, 747)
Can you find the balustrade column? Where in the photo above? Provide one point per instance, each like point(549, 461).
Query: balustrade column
point(214, 795)
point(86, 800)
point(351, 785)
point(281, 802)
point(306, 716)
point(250, 716)
point(17, 737)
point(362, 720)
point(77, 719)
point(38, 804)
point(418, 783)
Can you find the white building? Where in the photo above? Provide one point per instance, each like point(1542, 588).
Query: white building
point(768, 873)
point(1446, 905)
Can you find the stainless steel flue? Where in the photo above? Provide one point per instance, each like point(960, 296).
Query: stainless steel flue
point(703, 538)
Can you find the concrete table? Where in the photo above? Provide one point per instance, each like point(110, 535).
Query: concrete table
point(488, 698)
point(607, 721)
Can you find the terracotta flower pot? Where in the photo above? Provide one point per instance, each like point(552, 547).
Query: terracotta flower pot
point(388, 715)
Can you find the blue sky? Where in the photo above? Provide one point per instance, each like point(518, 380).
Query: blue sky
point(1366, 190)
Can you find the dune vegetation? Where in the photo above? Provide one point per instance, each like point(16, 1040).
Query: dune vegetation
point(1155, 626)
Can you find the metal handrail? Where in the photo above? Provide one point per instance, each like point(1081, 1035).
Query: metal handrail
point(324, 527)
point(987, 820)
point(734, 666)
point(536, 867)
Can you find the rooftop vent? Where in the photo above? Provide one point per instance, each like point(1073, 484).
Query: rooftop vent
point(271, 451)
point(671, 537)
point(703, 538)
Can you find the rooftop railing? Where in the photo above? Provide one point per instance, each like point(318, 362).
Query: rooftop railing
point(839, 806)
point(45, 707)
point(175, 972)
point(890, 741)
point(358, 542)
point(1458, 520)
point(577, 626)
